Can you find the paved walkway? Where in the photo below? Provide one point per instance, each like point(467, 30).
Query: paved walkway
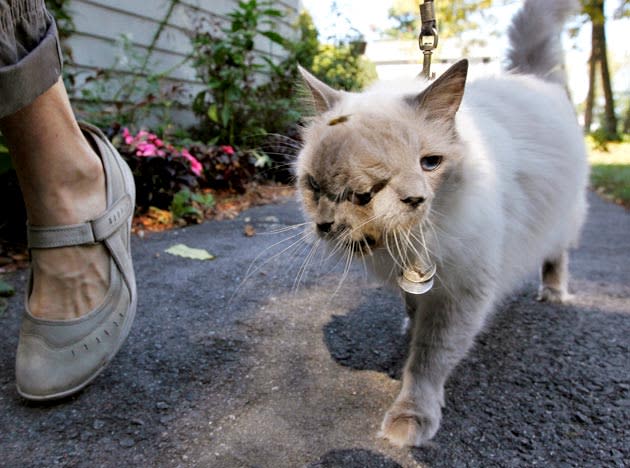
point(272, 374)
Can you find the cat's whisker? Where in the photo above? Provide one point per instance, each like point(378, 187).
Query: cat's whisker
point(436, 238)
point(346, 270)
point(304, 266)
point(284, 229)
point(253, 268)
point(342, 241)
point(400, 253)
point(273, 140)
point(337, 247)
point(410, 244)
point(302, 235)
point(285, 138)
point(420, 241)
point(391, 253)
point(365, 269)
point(424, 243)
point(368, 221)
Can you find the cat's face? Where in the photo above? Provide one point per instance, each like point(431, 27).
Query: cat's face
point(372, 168)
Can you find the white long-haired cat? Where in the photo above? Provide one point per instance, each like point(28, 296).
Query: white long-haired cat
point(488, 177)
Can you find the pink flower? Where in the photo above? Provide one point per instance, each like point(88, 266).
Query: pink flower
point(227, 149)
point(127, 136)
point(195, 165)
point(146, 149)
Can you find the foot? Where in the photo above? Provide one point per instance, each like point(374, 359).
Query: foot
point(63, 183)
point(408, 423)
point(553, 295)
point(55, 359)
point(69, 282)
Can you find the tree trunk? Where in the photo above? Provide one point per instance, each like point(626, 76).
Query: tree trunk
point(590, 97)
point(626, 120)
point(599, 55)
point(610, 119)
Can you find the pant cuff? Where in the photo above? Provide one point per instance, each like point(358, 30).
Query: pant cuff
point(26, 80)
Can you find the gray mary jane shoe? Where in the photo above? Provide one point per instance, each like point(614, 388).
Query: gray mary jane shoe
point(58, 358)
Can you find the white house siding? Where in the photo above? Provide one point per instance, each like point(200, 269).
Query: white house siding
point(101, 23)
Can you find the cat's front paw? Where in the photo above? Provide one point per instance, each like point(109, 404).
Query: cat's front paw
point(409, 424)
point(553, 295)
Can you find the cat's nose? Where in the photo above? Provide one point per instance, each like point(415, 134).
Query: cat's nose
point(414, 202)
point(324, 227)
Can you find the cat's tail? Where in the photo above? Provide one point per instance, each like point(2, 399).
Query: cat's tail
point(535, 39)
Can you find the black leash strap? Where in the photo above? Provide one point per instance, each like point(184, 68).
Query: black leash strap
point(428, 39)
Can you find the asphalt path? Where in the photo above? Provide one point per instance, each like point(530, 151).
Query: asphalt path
point(281, 367)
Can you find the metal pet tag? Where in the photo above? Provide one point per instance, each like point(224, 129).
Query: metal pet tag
point(416, 281)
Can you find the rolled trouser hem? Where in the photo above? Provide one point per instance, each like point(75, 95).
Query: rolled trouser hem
point(23, 82)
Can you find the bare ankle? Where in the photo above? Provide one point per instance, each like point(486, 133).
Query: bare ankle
point(71, 195)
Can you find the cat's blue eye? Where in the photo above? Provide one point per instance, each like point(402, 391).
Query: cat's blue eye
point(430, 163)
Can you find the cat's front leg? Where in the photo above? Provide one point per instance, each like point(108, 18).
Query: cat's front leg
point(443, 331)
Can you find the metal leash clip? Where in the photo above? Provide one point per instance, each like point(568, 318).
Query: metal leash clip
point(428, 38)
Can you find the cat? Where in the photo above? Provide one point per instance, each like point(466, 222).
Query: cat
point(488, 178)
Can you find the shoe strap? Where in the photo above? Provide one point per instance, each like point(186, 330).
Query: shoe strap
point(90, 232)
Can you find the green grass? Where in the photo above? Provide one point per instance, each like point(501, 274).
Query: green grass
point(610, 171)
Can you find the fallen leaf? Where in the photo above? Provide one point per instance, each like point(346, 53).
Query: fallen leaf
point(182, 250)
point(249, 230)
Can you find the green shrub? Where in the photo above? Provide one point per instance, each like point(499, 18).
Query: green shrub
point(227, 63)
point(306, 47)
point(191, 207)
point(343, 67)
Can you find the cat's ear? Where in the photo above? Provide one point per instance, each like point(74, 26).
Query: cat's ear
point(324, 96)
point(442, 99)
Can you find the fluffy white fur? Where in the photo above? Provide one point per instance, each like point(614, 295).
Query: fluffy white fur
point(521, 198)
point(510, 196)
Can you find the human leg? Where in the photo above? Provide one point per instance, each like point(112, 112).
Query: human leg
point(64, 184)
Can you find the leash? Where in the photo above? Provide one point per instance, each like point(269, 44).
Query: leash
point(428, 38)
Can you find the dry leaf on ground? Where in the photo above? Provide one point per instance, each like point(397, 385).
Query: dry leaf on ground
point(249, 230)
point(182, 250)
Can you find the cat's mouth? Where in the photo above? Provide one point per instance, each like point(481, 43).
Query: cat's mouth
point(363, 246)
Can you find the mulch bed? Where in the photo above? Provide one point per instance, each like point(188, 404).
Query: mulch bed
point(14, 255)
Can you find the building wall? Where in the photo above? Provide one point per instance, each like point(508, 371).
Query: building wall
point(100, 24)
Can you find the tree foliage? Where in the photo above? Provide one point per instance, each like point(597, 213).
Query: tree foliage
point(454, 17)
point(342, 67)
